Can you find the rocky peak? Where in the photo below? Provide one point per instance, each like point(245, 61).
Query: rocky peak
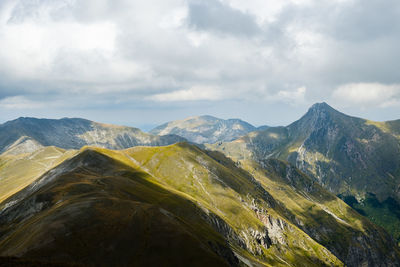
point(205, 129)
point(320, 106)
point(319, 115)
point(204, 117)
point(321, 111)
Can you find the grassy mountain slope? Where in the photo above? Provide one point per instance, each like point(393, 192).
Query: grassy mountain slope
point(115, 207)
point(349, 156)
point(263, 215)
point(206, 129)
point(234, 195)
point(318, 221)
point(75, 133)
point(93, 209)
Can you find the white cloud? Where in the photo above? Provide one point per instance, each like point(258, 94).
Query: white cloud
point(293, 97)
point(20, 102)
point(368, 94)
point(31, 47)
point(193, 94)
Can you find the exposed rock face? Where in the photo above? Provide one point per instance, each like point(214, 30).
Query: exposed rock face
point(75, 133)
point(276, 228)
point(206, 129)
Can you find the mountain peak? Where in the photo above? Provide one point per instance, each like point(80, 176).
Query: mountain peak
point(321, 106)
point(205, 129)
point(317, 116)
point(321, 110)
point(202, 117)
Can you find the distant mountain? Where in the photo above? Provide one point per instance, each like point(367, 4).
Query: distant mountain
point(29, 133)
point(355, 158)
point(205, 129)
point(262, 128)
point(179, 205)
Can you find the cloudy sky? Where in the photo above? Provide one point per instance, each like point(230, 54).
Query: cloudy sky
point(141, 63)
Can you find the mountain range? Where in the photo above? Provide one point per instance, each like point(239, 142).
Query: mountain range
point(29, 133)
point(314, 193)
point(206, 129)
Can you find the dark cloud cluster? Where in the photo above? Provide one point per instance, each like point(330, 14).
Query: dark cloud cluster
point(215, 16)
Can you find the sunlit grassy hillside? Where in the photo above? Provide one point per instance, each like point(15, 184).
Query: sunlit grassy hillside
point(180, 203)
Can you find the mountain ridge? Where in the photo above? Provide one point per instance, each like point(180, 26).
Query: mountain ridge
point(206, 129)
point(73, 133)
point(347, 155)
